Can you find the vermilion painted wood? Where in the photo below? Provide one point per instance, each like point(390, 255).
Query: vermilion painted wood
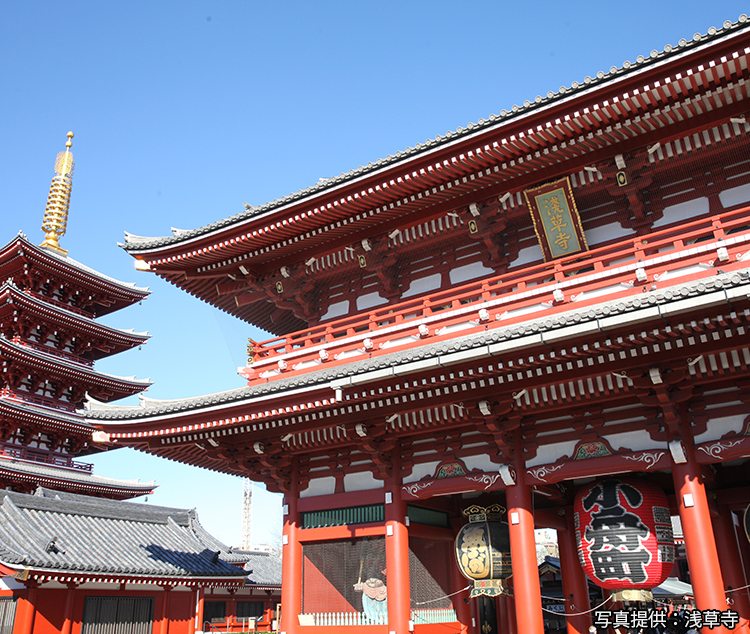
point(292, 559)
point(341, 500)
point(731, 566)
point(340, 532)
point(607, 263)
point(397, 552)
point(575, 584)
point(702, 556)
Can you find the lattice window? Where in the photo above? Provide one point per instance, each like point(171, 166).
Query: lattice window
point(332, 570)
point(118, 615)
point(7, 614)
point(430, 563)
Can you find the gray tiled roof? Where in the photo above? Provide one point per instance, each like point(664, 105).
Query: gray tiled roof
point(59, 416)
point(129, 287)
point(40, 470)
point(136, 243)
point(153, 407)
point(68, 533)
point(265, 567)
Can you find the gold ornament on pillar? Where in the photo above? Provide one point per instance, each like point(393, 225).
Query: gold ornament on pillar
point(56, 215)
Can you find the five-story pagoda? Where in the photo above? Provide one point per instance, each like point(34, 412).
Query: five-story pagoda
point(49, 340)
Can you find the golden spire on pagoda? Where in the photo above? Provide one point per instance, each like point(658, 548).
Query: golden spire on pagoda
point(56, 215)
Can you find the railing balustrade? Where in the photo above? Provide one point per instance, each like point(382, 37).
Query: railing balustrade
point(234, 624)
point(343, 618)
point(37, 399)
point(68, 356)
point(323, 619)
point(444, 615)
point(696, 249)
point(16, 452)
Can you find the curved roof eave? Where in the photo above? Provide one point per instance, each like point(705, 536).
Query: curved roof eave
point(157, 415)
point(142, 244)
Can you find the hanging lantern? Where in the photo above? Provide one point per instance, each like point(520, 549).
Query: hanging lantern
point(624, 536)
point(483, 550)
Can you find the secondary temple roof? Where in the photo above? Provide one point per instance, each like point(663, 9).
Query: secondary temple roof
point(70, 478)
point(107, 339)
point(58, 533)
point(282, 410)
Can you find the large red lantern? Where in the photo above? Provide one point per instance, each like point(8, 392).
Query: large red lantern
point(624, 534)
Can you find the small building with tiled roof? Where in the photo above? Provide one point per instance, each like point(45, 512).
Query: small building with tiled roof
point(73, 563)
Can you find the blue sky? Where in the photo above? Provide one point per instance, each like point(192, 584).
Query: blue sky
point(184, 110)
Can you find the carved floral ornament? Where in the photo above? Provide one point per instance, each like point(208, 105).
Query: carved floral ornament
point(450, 470)
point(414, 489)
point(487, 479)
point(541, 473)
point(595, 449)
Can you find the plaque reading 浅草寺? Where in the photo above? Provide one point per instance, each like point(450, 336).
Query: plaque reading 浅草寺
point(555, 217)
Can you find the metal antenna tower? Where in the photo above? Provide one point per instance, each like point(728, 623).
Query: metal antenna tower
point(247, 513)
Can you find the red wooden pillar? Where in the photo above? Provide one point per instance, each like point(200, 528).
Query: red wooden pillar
point(574, 581)
point(473, 609)
point(731, 566)
point(164, 620)
point(231, 615)
point(502, 614)
point(291, 568)
point(397, 551)
point(528, 595)
point(200, 602)
point(460, 600)
point(68, 610)
point(703, 559)
point(29, 612)
point(744, 548)
point(510, 615)
point(499, 616)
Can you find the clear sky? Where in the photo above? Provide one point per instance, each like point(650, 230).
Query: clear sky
point(183, 110)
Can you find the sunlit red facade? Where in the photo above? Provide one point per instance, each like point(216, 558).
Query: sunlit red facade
point(446, 336)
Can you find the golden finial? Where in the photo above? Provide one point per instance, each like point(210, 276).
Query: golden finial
point(56, 215)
